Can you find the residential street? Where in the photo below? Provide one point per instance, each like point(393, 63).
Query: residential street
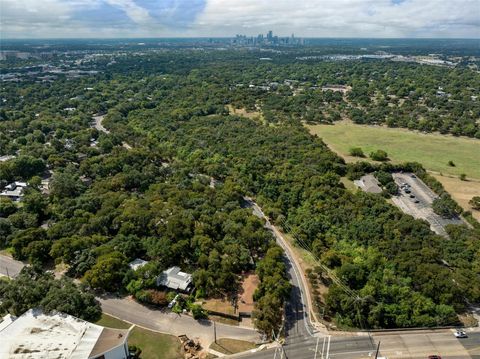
point(171, 323)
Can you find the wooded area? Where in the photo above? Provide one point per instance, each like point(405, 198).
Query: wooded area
point(107, 205)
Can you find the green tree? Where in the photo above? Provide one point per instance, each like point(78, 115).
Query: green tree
point(446, 207)
point(108, 272)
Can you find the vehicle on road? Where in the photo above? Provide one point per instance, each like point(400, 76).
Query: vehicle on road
point(460, 334)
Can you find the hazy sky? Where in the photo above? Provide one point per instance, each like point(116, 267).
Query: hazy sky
point(309, 18)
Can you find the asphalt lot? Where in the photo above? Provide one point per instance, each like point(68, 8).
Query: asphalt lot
point(9, 267)
point(423, 208)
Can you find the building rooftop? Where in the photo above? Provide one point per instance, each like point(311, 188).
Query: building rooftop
point(175, 279)
point(137, 263)
point(57, 335)
point(14, 190)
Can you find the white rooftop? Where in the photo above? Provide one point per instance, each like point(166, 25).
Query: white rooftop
point(175, 279)
point(36, 335)
point(14, 190)
point(137, 263)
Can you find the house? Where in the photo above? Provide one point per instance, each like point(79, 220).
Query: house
point(137, 263)
point(175, 279)
point(14, 190)
point(36, 335)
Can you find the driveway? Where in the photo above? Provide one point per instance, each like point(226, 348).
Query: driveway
point(9, 267)
point(167, 322)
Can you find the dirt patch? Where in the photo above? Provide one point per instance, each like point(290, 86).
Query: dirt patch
point(245, 298)
point(253, 115)
point(461, 191)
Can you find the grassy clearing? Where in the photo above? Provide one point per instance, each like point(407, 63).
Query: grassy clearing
point(231, 346)
point(154, 345)
point(253, 115)
point(433, 151)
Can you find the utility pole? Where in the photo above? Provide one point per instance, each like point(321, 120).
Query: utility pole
point(378, 350)
point(215, 332)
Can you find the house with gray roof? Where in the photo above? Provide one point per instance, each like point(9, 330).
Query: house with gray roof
point(174, 278)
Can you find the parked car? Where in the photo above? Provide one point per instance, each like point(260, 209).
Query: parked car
point(460, 334)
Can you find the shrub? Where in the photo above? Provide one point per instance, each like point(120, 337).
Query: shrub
point(451, 163)
point(135, 351)
point(379, 155)
point(475, 203)
point(356, 151)
point(198, 312)
point(158, 297)
point(463, 177)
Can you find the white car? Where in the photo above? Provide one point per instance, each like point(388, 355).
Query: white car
point(460, 334)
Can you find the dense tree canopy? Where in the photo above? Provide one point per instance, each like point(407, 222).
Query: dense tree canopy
point(176, 196)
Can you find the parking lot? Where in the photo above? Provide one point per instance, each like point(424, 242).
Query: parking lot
point(416, 198)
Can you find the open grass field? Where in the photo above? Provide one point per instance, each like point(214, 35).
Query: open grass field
point(154, 345)
point(433, 151)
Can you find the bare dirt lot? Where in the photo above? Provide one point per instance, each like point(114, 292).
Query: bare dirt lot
point(245, 300)
point(417, 200)
point(461, 191)
point(253, 115)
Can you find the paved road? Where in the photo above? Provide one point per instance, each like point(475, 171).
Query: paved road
point(298, 308)
point(339, 348)
point(402, 345)
point(9, 267)
point(171, 323)
point(99, 126)
point(423, 343)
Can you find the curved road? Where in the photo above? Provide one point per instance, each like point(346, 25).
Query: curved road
point(298, 309)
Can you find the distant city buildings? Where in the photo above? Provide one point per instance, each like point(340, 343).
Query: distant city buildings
point(270, 40)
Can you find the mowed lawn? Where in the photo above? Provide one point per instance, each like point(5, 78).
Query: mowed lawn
point(433, 151)
point(154, 345)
